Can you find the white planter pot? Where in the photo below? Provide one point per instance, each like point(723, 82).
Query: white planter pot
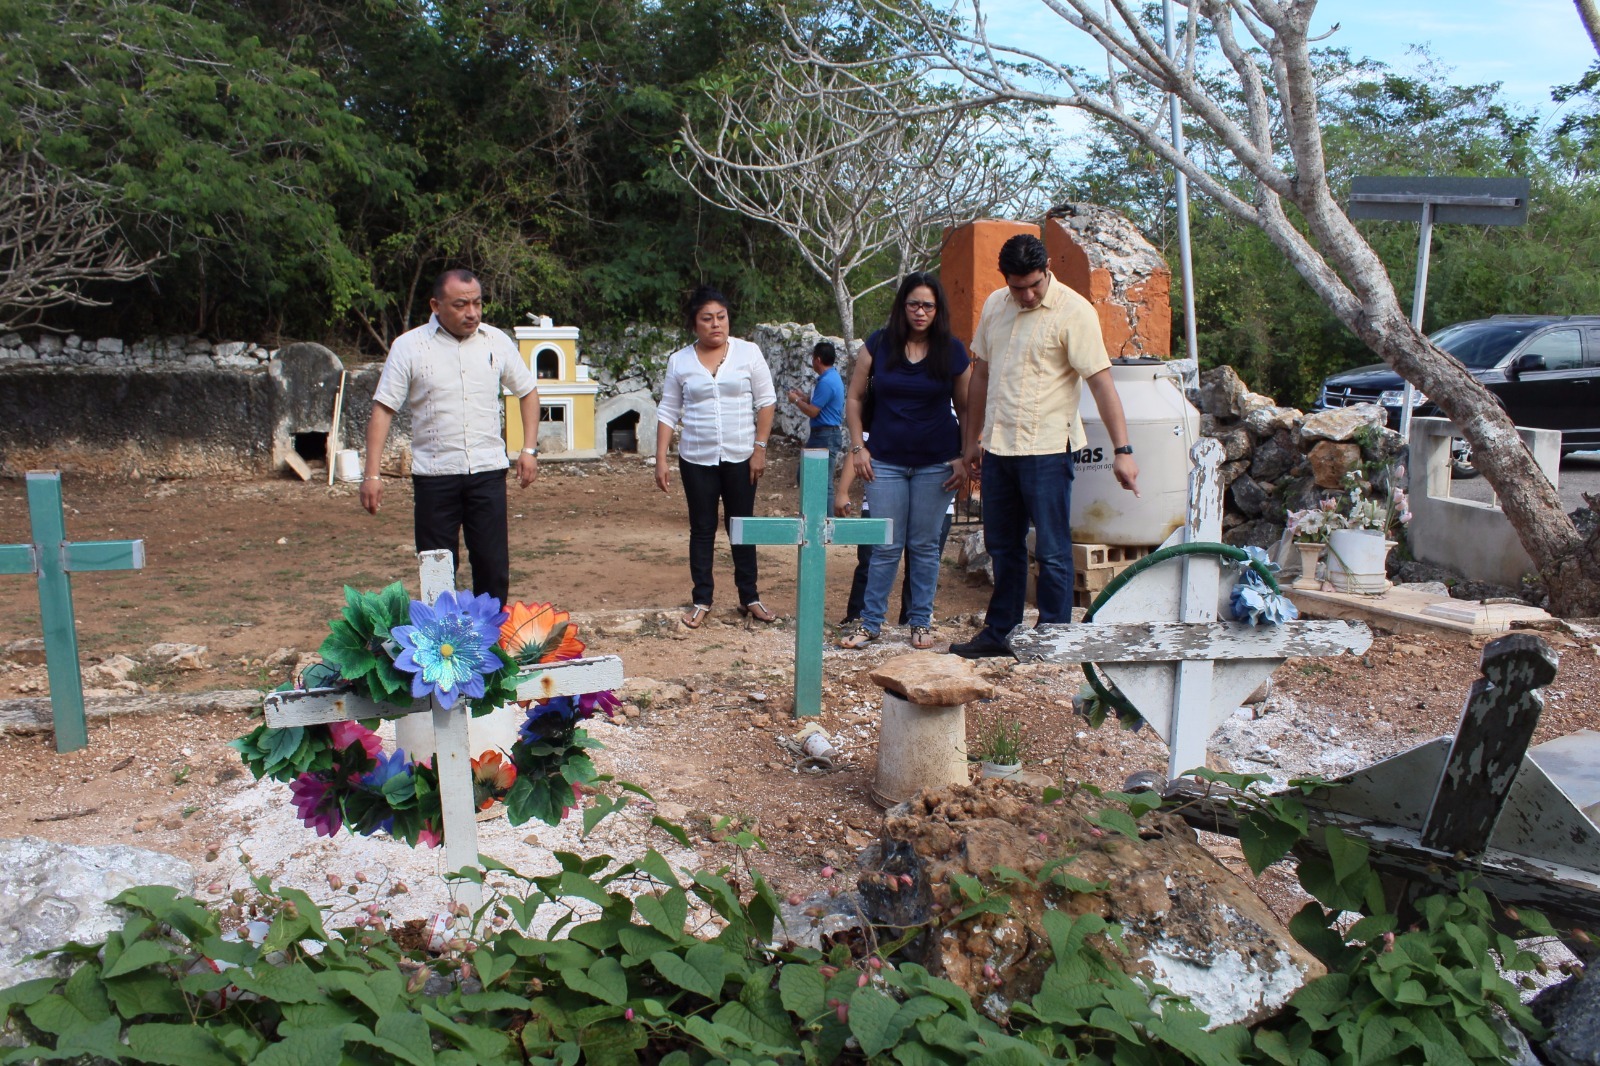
point(1356, 561)
point(1002, 770)
point(1310, 557)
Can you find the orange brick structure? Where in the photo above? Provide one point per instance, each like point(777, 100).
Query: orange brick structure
point(969, 272)
point(1101, 255)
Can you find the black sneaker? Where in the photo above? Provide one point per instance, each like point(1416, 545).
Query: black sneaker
point(982, 646)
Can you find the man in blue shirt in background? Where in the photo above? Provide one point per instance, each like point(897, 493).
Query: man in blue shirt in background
point(825, 408)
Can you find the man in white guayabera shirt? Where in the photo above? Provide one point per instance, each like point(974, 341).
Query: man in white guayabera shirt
point(450, 372)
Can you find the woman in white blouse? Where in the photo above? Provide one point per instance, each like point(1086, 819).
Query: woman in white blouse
point(719, 391)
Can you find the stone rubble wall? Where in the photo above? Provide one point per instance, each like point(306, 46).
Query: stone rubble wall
point(187, 407)
point(159, 353)
point(1280, 459)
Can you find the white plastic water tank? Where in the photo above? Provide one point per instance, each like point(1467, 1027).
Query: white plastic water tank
point(1162, 426)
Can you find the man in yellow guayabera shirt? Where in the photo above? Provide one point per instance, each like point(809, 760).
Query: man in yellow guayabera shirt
point(1036, 343)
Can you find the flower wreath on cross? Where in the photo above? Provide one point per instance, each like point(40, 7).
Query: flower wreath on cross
point(392, 649)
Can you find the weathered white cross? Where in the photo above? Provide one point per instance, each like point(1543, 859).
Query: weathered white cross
point(1160, 641)
point(54, 559)
point(452, 757)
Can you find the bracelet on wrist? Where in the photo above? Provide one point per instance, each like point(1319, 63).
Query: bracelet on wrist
point(761, 444)
point(372, 479)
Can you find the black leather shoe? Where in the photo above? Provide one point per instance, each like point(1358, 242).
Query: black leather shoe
point(982, 646)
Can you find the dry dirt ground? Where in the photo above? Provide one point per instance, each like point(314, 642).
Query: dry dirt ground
point(253, 570)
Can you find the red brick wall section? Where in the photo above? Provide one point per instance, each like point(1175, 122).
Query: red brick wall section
point(969, 269)
point(1101, 255)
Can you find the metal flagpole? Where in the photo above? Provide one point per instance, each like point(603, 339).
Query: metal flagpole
point(1419, 296)
point(1182, 187)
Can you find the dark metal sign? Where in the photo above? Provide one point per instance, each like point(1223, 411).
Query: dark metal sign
point(1468, 201)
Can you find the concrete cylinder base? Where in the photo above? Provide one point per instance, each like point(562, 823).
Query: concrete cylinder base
point(918, 747)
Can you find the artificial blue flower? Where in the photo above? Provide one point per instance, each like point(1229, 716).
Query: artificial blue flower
point(387, 768)
point(392, 765)
point(1253, 601)
point(448, 648)
point(546, 717)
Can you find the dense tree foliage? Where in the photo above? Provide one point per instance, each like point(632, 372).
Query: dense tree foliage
point(303, 167)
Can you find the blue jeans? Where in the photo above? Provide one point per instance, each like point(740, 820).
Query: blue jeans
point(914, 499)
point(831, 438)
point(1017, 490)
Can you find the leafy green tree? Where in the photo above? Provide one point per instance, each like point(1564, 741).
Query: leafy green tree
point(223, 157)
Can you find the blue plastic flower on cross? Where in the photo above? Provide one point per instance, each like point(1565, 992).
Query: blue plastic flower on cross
point(448, 648)
point(1253, 601)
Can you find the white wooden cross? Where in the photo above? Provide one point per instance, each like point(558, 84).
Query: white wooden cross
point(452, 755)
point(1160, 641)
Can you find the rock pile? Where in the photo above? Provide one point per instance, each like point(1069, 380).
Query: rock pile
point(1279, 459)
point(157, 353)
point(1188, 922)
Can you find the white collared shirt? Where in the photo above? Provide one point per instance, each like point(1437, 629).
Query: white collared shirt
point(453, 389)
point(717, 414)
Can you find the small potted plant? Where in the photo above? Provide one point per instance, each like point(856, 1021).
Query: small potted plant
point(1001, 749)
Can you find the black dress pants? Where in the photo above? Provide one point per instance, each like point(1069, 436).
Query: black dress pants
point(703, 487)
point(447, 505)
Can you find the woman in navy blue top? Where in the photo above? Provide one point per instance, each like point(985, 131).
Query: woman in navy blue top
point(918, 376)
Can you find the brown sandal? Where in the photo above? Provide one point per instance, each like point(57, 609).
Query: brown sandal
point(856, 637)
point(696, 616)
point(921, 638)
point(758, 610)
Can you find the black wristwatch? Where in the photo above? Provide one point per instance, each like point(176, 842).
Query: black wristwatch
point(1126, 449)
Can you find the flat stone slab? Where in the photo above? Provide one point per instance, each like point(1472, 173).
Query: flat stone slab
point(1421, 613)
point(932, 679)
point(51, 893)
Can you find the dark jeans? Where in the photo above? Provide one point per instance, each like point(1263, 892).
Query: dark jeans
point(858, 583)
point(447, 505)
point(831, 438)
point(1017, 490)
point(703, 487)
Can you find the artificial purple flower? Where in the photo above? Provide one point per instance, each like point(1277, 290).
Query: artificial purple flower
point(448, 648)
point(317, 808)
point(345, 734)
point(593, 703)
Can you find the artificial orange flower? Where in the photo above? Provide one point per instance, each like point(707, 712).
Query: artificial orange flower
point(539, 633)
point(492, 778)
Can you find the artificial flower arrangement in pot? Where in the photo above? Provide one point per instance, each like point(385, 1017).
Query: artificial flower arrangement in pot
point(1372, 511)
point(1356, 528)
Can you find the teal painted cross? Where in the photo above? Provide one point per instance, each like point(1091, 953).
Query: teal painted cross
point(55, 559)
point(813, 531)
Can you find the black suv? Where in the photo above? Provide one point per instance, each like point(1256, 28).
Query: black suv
point(1544, 370)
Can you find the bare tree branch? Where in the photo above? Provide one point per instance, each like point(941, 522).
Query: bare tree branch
point(55, 238)
point(811, 154)
point(1589, 12)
